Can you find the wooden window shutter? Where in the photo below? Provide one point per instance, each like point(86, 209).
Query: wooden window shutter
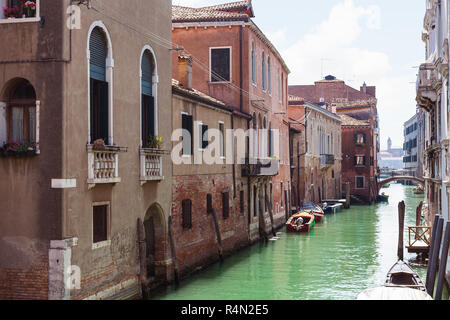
point(98, 53)
point(242, 201)
point(186, 207)
point(226, 204)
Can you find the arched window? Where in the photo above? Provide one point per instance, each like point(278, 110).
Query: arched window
point(21, 113)
point(255, 136)
point(100, 78)
point(148, 105)
point(263, 65)
point(99, 86)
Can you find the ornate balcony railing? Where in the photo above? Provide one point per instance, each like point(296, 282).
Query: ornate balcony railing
point(426, 81)
point(261, 167)
point(103, 165)
point(151, 164)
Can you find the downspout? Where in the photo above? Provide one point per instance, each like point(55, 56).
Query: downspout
point(234, 160)
point(241, 98)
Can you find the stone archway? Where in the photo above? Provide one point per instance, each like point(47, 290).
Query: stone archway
point(155, 240)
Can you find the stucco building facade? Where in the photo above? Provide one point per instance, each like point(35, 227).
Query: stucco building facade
point(78, 105)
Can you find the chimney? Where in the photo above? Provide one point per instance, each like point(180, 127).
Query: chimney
point(185, 71)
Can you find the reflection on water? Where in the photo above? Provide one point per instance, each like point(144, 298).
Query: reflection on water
point(345, 254)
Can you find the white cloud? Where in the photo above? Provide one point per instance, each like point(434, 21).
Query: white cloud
point(331, 45)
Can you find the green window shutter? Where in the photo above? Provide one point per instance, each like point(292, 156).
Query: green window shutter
point(98, 53)
point(226, 204)
point(186, 207)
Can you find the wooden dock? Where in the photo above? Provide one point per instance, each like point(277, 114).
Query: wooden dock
point(419, 239)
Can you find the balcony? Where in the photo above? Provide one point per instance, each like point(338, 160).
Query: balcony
point(103, 165)
point(151, 164)
point(19, 11)
point(427, 80)
point(261, 167)
point(326, 160)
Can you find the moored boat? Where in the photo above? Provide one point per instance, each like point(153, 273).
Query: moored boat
point(383, 197)
point(314, 209)
point(401, 275)
point(306, 224)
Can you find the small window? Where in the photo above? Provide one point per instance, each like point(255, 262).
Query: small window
point(359, 182)
point(253, 64)
point(222, 138)
point(186, 207)
point(100, 223)
point(242, 201)
point(203, 136)
point(360, 161)
point(209, 205)
point(221, 65)
point(226, 204)
point(360, 138)
point(187, 134)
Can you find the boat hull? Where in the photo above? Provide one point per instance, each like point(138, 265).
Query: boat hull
point(401, 275)
point(305, 227)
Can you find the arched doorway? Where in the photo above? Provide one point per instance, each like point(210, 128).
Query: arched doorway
point(155, 240)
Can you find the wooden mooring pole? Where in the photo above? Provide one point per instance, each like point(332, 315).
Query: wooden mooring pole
point(173, 251)
point(419, 214)
point(434, 251)
point(347, 195)
point(401, 226)
point(262, 222)
point(443, 263)
point(218, 235)
point(269, 205)
point(142, 247)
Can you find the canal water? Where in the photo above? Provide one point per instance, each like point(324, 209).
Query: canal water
point(344, 254)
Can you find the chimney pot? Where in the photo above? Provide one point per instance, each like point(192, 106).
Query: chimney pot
point(185, 71)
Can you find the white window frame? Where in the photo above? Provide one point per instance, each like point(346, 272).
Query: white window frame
point(363, 156)
point(4, 20)
point(107, 242)
point(109, 79)
point(231, 64)
point(193, 133)
point(253, 68)
point(222, 146)
point(155, 81)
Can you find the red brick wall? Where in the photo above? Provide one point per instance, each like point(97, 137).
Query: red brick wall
point(197, 247)
point(349, 171)
point(29, 284)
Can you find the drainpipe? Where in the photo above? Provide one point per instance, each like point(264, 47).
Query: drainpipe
point(234, 162)
point(241, 98)
point(444, 136)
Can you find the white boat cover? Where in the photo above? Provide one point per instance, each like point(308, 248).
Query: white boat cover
point(389, 293)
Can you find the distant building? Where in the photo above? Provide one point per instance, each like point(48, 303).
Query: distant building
point(360, 131)
point(391, 158)
point(410, 160)
point(317, 168)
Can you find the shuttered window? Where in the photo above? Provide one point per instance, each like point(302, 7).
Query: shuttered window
point(186, 207)
point(147, 73)
point(187, 134)
point(100, 223)
point(98, 54)
point(221, 65)
point(359, 161)
point(225, 204)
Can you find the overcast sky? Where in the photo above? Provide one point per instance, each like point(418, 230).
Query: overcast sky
point(376, 41)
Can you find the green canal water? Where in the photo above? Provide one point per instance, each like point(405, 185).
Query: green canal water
point(344, 254)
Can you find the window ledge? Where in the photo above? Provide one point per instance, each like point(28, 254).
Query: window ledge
point(102, 244)
point(219, 82)
point(19, 20)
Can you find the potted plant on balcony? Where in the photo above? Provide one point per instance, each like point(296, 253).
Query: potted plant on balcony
point(99, 145)
point(154, 142)
point(16, 149)
point(11, 13)
point(29, 9)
